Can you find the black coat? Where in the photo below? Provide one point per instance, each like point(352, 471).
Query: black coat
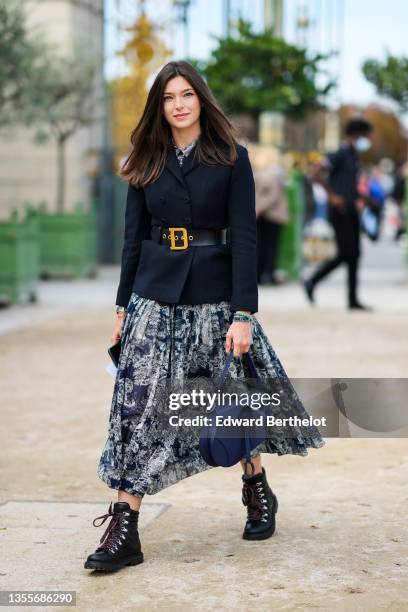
point(194, 196)
point(344, 170)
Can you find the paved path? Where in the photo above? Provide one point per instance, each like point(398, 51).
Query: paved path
point(341, 539)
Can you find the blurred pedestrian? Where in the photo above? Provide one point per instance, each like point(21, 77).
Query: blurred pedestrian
point(343, 168)
point(376, 191)
point(398, 194)
point(271, 213)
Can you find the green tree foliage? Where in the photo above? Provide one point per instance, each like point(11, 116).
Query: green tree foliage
point(62, 98)
point(51, 93)
point(252, 73)
point(18, 55)
point(390, 78)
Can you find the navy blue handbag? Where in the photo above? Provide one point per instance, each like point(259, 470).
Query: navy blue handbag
point(225, 445)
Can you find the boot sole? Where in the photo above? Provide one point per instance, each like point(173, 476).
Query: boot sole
point(134, 560)
point(265, 534)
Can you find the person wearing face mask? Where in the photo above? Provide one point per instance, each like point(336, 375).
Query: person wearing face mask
point(342, 170)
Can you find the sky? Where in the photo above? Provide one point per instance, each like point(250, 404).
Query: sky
point(359, 28)
point(370, 28)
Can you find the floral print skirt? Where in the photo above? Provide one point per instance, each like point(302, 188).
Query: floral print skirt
point(161, 340)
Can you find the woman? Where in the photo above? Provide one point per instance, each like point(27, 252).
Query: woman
point(271, 214)
point(186, 296)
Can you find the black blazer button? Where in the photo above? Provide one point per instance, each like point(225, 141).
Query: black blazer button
point(186, 199)
point(187, 219)
point(163, 220)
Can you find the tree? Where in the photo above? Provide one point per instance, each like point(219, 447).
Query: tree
point(253, 73)
point(60, 100)
point(19, 52)
point(390, 78)
point(144, 53)
point(41, 89)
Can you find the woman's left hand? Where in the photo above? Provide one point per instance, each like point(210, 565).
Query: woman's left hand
point(240, 335)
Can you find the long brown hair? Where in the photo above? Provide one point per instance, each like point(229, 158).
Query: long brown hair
point(151, 138)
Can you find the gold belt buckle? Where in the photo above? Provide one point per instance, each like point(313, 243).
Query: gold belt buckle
point(173, 238)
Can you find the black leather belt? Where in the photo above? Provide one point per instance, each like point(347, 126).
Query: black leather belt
point(180, 238)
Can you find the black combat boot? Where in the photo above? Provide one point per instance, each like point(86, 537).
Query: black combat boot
point(262, 504)
point(355, 305)
point(309, 286)
point(120, 544)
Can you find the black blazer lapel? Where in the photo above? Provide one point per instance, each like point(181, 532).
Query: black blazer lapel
point(190, 162)
point(179, 172)
point(174, 167)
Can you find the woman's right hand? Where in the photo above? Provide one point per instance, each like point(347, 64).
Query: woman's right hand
point(117, 330)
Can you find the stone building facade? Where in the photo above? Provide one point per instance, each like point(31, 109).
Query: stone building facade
point(28, 171)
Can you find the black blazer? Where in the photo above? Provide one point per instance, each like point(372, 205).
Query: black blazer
point(194, 196)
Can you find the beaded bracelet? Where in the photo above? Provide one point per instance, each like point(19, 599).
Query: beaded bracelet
point(241, 316)
point(244, 314)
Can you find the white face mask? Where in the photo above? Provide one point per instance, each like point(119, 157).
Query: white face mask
point(362, 143)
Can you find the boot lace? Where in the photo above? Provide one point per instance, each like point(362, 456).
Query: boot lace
point(253, 496)
point(115, 532)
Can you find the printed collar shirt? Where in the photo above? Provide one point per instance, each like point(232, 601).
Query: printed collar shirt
point(182, 152)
